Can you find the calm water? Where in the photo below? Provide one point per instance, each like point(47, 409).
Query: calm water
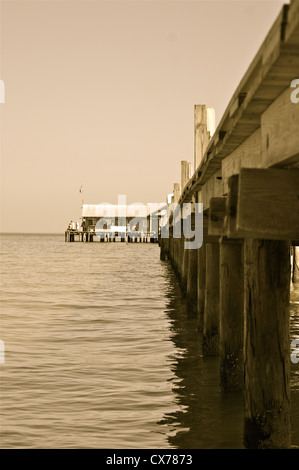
point(100, 352)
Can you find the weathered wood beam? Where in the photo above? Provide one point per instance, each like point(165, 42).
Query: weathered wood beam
point(231, 315)
point(201, 284)
point(248, 155)
point(210, 344)
point(267, 344)
point(231, 206)
point(280, 119)
point(268, 204)
point(217, 214)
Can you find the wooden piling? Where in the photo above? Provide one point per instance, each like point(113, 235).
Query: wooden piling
point(231, 315)
point(201, 284)
point(267, 344)
point(164, 249)
point(184, 265)
point(210, 346)
point(191, 295)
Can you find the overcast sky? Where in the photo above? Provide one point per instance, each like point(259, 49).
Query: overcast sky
point(101, 94)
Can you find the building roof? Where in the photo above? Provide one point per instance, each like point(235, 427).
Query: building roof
point(115, 210)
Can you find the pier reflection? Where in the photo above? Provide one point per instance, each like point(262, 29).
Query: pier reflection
point(208, 418)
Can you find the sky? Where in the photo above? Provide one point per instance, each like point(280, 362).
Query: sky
point(102, 94)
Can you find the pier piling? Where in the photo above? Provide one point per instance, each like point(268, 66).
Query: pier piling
point(231, 315)
point(210, 346)
point(267, 344)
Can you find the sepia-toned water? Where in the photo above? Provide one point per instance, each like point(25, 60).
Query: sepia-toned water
point(100, 353)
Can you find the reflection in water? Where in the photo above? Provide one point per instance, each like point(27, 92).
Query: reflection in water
point(100, 352)
point(210, 418)
point(294, 334)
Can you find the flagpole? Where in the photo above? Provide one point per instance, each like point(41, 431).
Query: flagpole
point(81, 191)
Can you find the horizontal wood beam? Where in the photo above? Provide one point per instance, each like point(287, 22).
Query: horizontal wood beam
point(207, 236)
point(217, 214)
point(280, 119)
point(267, 205)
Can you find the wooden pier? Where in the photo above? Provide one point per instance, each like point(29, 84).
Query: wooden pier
point(247, 178)
point(91, 236)
point(134, 223)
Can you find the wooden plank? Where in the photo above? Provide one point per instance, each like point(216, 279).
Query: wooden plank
point(248, 155)
point(212, 188)
point(207, 237)
point(268, 204)
point(293, 20)
point(231, 205)
point(280, 131)
point(217, 214)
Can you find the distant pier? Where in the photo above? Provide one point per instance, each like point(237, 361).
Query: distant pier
point(91, 236)
point(134, 223)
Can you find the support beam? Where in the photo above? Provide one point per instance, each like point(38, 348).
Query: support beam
point(176, 192)
point(184, 261)
point(207, 237)
point(164, 249)
point(268, 204)
point(204, 127)
point(280, 119)
point(210, 346)
point(231, 206)
point(185, 173)
point(201, 284)
point(192, 281)
point(231, 315)
point(267, 344)
point(217, 214)
point(192, 274)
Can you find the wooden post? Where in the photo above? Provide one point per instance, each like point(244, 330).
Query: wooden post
point(231, 315)
point(177, 248)
point(164, 249)
point(192, 281)
point(191, 294)
point(204, 124)
point(184, 265)
point(267, 344)
point(210, 346)
point(185, 173)
point(201, 284)
point(170, 241)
